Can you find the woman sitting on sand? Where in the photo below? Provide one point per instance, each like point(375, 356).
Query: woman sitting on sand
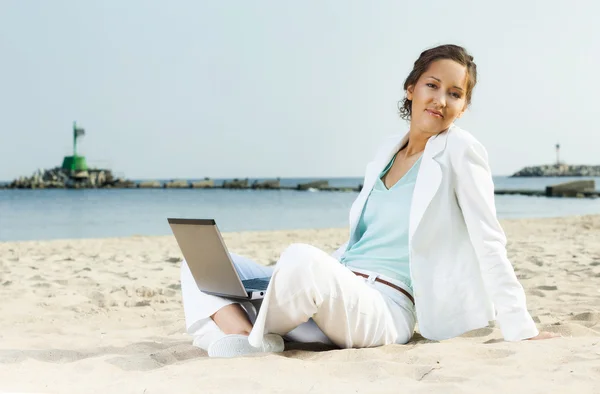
point(425, 245)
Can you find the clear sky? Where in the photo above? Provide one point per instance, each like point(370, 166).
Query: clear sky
point(189, 88)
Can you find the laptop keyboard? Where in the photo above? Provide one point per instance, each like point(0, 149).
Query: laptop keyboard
point(256, 284)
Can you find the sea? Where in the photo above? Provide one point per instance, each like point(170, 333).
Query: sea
point(97, 213)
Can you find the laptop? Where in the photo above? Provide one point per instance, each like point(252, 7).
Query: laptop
point(209, 261)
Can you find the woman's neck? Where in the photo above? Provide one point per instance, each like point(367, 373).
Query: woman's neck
point(416, 142)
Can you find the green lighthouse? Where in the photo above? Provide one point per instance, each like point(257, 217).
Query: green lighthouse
point(75, 165)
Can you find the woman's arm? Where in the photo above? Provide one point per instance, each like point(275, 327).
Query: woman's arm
point(475, 193)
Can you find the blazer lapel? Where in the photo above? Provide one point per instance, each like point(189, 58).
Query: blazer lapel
point(428, 181)
point(373, 170)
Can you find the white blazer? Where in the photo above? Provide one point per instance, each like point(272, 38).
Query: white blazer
point(461, 276)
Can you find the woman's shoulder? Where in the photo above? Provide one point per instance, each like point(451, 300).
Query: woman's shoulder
point(462, 146)
point(461, 139)
point(460, 142)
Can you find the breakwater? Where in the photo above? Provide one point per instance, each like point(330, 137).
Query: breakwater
point(59, 178)
point(104, 179)
point(559, 170)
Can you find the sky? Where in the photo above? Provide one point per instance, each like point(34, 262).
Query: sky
point(237, 88)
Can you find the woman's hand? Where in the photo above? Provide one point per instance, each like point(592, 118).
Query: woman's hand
point(544, 335)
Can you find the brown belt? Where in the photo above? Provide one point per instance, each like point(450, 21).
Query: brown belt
point(393, 286)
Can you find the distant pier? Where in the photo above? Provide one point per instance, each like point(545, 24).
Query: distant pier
point(543, 193)
point(575, 189)
point(558, 170)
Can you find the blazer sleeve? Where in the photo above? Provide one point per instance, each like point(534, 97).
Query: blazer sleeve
point(475, 193)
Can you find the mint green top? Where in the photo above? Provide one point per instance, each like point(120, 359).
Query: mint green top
point(382, 229)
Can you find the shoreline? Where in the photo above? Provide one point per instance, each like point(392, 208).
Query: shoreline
point(105, 315)
point(162, 237)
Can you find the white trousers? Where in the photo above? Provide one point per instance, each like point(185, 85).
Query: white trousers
point(199, 307)
point(311, 298)
point(353, 311)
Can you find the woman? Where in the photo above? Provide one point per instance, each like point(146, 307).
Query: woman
point(425, 244)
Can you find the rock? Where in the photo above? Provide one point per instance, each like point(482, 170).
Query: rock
point(80, 175)
point(179, 184)
point(92, 178)
point(124, 184)
point(273, 184)
point(571, 189)
point(149, 185)
point(236, 184)
point(313, 185)
point(558, 170)
point(60, 178)
point(205, 184)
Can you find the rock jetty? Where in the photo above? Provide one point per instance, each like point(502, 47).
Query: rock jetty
point(558, 170)
point(59, 178)
point(316, 185)
point(274, 184)
point(236, 184)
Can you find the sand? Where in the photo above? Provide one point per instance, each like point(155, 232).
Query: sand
point(105, 315)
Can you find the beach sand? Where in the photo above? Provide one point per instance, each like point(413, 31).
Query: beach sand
point(105, 315)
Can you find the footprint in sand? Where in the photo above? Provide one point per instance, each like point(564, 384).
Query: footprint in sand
point(570, 329)
point(548, 288)
point(536, 293)
point(158, 359)
point(99, 299)
point(536, 260)
point(587, 319)
point(133, 303)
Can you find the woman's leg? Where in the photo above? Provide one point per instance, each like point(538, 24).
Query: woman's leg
point(232, 319)
point(350, 310)
point(210, 318)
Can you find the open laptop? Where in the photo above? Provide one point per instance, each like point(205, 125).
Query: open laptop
point(209, 261)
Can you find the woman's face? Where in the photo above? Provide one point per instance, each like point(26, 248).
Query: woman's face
point(438, 97)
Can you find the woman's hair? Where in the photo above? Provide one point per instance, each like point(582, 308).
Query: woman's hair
point(452, 52)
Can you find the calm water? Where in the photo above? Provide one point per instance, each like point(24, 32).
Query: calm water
point(51, 214)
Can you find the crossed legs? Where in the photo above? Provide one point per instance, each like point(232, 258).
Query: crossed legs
point(352, 311)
